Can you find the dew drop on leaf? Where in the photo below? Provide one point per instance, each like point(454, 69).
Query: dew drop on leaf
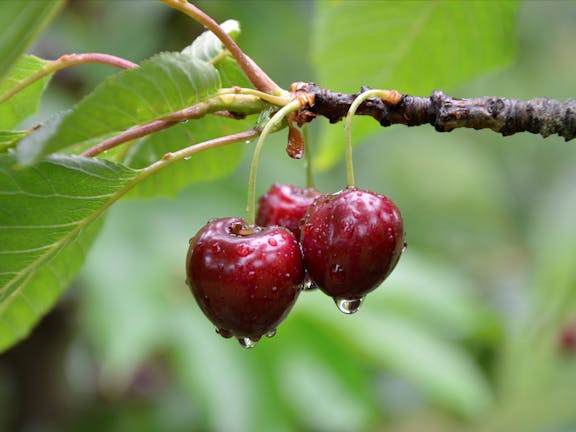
point(349, 306)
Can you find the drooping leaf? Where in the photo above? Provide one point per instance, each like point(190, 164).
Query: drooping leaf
point(203, 166)
point(45, 231)
point(27, 101)
point(21, 21)
point(165, 83)
point(8, 139)
point(414, 47)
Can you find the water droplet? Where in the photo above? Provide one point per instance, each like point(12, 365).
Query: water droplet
point(271, 333)
point(337, 272)
point(247, 142)
point(246, 342)
point(272, 242)
point(224, 333)
point(243, 250)
point(404, 246)
point(185, 121)
point(274, 288)
point(187, 157)
point(308, 283)
point(348, 306)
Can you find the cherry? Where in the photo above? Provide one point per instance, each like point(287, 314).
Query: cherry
point(351, 241)
point(245, 279)
point(285, 205)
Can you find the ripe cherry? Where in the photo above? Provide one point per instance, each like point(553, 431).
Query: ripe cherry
point(351, 241)
point(245, 279)
point(285, 205)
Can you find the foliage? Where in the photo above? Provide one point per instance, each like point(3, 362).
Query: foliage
point(463, 336)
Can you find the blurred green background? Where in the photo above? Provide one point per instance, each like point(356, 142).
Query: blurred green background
point(474, 331)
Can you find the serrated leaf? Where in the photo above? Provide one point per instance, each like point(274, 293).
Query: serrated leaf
point(27, 101)
point(414, 47)
point(8, 139)
point(21, 21)
point(165, 83)
point(203, 166)
point(45, 231)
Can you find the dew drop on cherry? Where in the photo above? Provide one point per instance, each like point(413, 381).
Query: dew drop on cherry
point(308, 283)
point(349, 306)
point(271, 333)
point(272, 242)
point(246, 342)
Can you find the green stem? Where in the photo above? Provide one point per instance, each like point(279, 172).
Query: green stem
point(64, 62)
point(274, 122)
point(308, 156)
point(384, 94)
point(254, 73)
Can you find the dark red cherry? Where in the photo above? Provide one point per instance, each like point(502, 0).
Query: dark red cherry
point(245, 279)
point(285, 205)
point(351, 241)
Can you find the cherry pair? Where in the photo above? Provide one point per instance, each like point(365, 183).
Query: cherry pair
point(247, 278)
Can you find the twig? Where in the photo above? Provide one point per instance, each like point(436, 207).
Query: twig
point(542, 116)
point(65, 61)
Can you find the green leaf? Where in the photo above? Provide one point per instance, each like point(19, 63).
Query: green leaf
point(165, 83)
point(8, 139)
point(204, 166)
point(45, 232)
point(27, 101)
point(21, 21)
point(414, 47)
point(207, 46)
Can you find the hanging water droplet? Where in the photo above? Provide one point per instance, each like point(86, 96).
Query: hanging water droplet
point(185, 121)
point(246, 342)
point(308, 283)
point(187, 157)
point(247, 142)
point(404, 246)
point(348, 306)
point(271, 333)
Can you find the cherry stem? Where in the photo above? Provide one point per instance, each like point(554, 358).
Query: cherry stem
point(67, 61)
point(308, 156)
point(254, 73)
point(272, 124)
point(385, 95)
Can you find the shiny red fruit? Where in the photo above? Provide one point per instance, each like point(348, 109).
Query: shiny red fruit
point(245, 279)
point(285, 205)
point(351, 241)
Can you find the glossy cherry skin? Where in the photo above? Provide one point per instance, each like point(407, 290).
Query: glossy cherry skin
point(285, 205)
point(351, 241)
point(245, 279)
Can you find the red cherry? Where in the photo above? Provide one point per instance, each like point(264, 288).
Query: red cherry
point(351, 241)
point(285, 205)
point(245, 279)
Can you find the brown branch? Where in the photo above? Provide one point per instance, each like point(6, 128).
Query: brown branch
point(542, 116)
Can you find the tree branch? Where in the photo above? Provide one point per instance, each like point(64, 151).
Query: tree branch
point(542, 116)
